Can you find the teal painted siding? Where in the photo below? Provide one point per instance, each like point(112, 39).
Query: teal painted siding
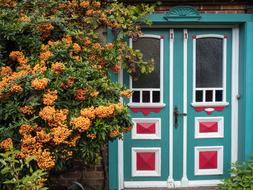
point(241, 105)
point(113, 165)
point(249, 89)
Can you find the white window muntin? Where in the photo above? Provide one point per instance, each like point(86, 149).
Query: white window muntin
point(157, 134)
point(161, 75)
point(156, 172)
point(218, 170)
point(224, 62)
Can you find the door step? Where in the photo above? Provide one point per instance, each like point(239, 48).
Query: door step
point(185, 188)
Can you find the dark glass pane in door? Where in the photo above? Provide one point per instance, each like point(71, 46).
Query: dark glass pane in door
point(209, 62)
point(146, 96)
point(218, 95)
point(156, 96)
point(136, 97)
point(199, 96)
point(209, 96)
point(150, 48)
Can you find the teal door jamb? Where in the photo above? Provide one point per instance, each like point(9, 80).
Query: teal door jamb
point(245, 22)
point(248, 91)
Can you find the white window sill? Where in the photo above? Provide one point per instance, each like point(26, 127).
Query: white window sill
point(146, 105)
point(209, 104)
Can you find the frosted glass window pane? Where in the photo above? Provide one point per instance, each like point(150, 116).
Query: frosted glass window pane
point(150, 48)
point(209, 62)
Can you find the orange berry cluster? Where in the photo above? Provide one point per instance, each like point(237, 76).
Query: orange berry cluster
point(39, 84)
point(126, 93)
point(57, 67)
point(60, 134)
point(6, 144)
point(50, 97)
point(24, 18)
point(45, 29)
point(81, 124)
point(16, 88)
point(80, 94)
point(5, 71)
point(53, 116)
point(19, 57)
point(26, 110)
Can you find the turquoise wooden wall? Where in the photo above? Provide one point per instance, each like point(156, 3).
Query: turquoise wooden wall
point(248, 91)
point(245, 22)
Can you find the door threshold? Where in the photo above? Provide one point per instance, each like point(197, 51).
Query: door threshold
point(179, 188)
point(192, 184)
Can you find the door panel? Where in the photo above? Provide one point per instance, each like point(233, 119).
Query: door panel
point(146, 147)
point(196, 145)
point(220, 114)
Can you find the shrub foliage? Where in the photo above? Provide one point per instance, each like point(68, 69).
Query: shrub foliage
point(241, 177)
point(57, 99)
point(19, 174)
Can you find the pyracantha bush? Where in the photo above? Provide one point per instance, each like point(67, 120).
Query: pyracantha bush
point(57, 99)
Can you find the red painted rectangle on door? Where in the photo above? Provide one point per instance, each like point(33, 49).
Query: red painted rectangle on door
point(146, 128)
point(208, 127)
point(145, 160)
point(208, 160)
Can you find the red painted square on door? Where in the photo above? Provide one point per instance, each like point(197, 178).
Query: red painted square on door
point(208, 160)
point(146, 128)
point(208, 127)
point(145, 160)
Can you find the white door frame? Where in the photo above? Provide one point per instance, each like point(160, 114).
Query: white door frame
point(170, 183)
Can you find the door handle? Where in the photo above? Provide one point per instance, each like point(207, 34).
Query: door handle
point(176, 113)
